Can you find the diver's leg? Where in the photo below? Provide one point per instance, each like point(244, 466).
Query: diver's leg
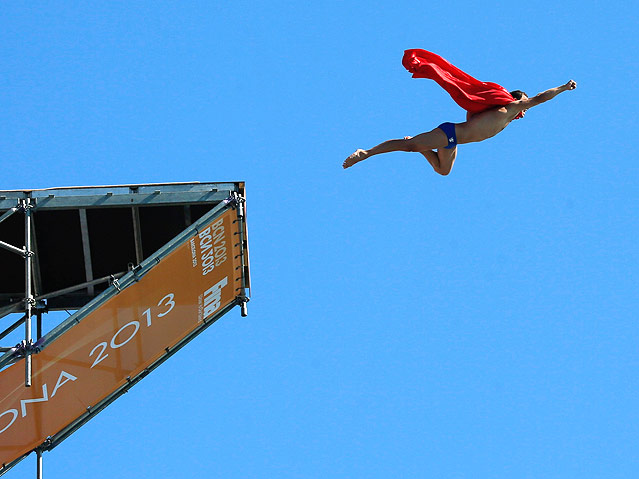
point(432, 158)
point(424, 142)
point(441, 160)
point(446, 160)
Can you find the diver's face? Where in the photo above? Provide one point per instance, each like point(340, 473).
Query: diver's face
point(524, 97)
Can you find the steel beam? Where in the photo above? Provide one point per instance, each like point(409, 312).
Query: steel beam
point(12, 248)
point(187, 216)
point(35, 264)
point(39, 463)
point(11, 328)
point(28, 300)
point(142, 199)
point(8, 213)
point(12, 308)
point(78, 287)
point(137, 234)
point(86, 248)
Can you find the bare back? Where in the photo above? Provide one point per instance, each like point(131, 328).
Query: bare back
point(487, 123)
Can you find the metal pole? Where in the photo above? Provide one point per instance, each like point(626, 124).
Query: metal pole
point(28, 296)
point(39, 463)
point(11, 248)
point(38, 323)
point(242, 225)
point(8, 213)
point(77, 287)
point(11, 328)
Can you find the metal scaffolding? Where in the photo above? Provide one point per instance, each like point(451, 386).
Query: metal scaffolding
point(26, 347)
point(185, 203)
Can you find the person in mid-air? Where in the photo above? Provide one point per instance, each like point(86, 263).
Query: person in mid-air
point(490, 109)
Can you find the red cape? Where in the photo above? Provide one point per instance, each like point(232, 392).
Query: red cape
point(468, 92)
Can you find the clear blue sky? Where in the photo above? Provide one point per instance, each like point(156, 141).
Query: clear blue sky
point(402, 324)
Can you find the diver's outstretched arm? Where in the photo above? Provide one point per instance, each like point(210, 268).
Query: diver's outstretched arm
point(542, 97)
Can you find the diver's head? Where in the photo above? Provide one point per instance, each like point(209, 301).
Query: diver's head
point(519, 95)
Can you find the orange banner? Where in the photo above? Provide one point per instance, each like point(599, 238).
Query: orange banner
point(121, 338)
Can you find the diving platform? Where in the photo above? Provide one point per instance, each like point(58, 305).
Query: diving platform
point(146, 268)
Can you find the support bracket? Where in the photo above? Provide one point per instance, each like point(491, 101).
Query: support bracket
point(237, 202)
point(242, 300)
point(114, 282)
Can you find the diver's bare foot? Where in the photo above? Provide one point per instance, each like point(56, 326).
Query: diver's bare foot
point(356, 157)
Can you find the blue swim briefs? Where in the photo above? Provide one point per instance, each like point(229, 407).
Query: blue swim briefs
point(449, 129)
